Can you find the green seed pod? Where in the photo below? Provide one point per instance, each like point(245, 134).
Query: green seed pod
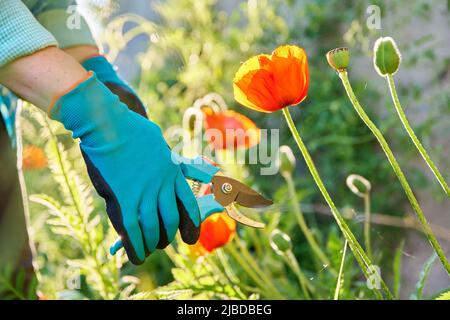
point(339, 59)
point(280, 242)
point(286, 160)
point(386, 56)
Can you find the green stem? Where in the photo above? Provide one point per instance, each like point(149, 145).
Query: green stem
point(412, 135)
point(367, 224)
point(341, 271)
point(258, 281)
point(361, 257)
point(226, 266)
point(302, 280)
point(302, 223)
point(398, 171)
point(223, 278)
point(251, 262)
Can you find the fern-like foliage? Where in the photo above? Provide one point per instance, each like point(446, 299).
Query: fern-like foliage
point(73, 216)
point(444, 296)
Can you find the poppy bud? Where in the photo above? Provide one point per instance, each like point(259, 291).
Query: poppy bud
point(339, 58)
point(358, 185)
point(386, 56)
point(286, 160)
point(280, 242)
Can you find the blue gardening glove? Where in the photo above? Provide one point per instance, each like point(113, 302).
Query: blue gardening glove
point(131, 167)
point(107, 74)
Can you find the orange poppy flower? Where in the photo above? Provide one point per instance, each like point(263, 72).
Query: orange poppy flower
point(216, 231)
point(33, 158)
point(268, 83)
point(235, 129)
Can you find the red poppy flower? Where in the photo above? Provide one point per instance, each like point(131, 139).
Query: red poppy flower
point(216, 231)
point(268, 83)
point(234, 129)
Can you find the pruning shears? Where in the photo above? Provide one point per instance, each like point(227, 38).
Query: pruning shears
point(225, 191)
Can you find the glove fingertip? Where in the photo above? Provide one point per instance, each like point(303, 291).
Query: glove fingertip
point(116, 246)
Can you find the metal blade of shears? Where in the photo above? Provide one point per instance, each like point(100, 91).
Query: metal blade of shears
point(239, 217)
point(228, 190)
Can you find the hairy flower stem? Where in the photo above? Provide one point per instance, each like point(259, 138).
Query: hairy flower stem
point(361, 257)
point(412, 135)
point(398, 171)
point(341, 271)
point(302, 223)
point(367, 224)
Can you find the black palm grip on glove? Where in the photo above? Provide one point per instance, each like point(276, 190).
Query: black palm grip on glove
point(112, 207)
point(128, 97)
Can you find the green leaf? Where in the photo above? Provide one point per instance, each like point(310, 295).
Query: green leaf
point(423, 277)
point(146, 295)
point(397, 269)
point(444, 296)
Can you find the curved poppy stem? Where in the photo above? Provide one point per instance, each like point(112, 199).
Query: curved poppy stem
point(367, 224)
point(398, 171)
point(412, 135)
point(360, 256)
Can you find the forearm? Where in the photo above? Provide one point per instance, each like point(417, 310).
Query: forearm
point(41, 76)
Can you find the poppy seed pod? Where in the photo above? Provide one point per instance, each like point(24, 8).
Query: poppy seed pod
point(386, 56)
point(339, 58)
point(280, 242)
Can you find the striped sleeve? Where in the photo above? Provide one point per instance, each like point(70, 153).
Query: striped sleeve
point(20, 33)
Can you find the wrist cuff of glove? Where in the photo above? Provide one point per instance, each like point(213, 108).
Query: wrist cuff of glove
point(55, 98)
point(104, 70)
point(107, 74)
point(91, 112)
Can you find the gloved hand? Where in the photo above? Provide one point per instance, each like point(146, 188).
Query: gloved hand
point(131, 167)
point(107, 74)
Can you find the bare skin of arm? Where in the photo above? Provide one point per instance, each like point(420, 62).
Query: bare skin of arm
point(39, 77)
point(81, 52)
